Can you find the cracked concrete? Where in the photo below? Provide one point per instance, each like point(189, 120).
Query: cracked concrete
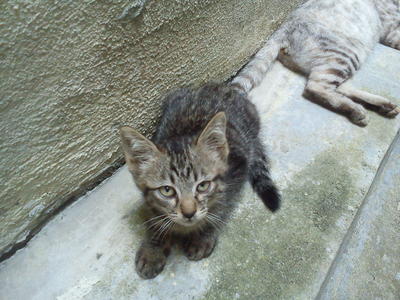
point(324, 166)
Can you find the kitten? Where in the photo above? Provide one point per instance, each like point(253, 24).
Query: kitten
point(328, 40)
point(204, 149)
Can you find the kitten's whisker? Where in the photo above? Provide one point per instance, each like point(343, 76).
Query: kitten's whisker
point(201, 226)
point(163, 228)
point(216, 218)
point(218, 221)
point(172, 224)
point(154, 218)
point(214, 226)
point(156, 223)
point(217, 225)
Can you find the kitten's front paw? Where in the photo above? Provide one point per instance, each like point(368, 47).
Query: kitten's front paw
point(200, 247)
point(149, 262)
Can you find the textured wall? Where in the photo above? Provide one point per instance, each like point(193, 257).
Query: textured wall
point(73, 71)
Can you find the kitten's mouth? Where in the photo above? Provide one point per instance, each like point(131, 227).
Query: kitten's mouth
point(188, 223)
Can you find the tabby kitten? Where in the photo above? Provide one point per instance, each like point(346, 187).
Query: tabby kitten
point(205, 147)
point(328, 40)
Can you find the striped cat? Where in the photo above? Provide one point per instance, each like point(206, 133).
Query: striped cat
point(328, 40)
point(205, 148)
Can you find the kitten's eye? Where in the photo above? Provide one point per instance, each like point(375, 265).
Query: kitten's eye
point(203, 186)
point(167, 191)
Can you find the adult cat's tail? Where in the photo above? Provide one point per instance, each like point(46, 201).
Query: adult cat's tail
point(253, 73)
point(261, 181)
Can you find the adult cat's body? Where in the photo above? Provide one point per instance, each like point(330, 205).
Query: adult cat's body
point(205, 147)
point(328, 40)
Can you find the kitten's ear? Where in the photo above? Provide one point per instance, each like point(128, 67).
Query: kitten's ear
point(213, 138)
point(139, 151)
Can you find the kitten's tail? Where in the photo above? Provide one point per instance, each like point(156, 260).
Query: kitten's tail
point(253, 73)
point(261, 181)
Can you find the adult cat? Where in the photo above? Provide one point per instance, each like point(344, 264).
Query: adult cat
point(328, 40)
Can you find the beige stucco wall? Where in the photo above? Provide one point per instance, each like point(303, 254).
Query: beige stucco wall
point(73, 71)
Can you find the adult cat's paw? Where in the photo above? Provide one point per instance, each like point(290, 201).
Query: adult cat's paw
point(149, 262)
point(389, 110)
point(359, 117)
point(200, 247)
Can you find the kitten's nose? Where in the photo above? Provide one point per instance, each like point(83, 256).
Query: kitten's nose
point(188, 214)
point(188, 208)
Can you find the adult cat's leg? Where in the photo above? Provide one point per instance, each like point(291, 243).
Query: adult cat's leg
point(201, 244)
point(321, 88)
point(152, 256)
point(383, 105)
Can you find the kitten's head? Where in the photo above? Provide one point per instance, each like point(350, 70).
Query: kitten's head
point(182, 178)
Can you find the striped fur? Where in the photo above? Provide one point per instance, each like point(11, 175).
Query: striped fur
point(328, 40)
point(207, 135)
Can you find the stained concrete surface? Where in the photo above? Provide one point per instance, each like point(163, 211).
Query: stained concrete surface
point(324, 166)
point(368, 263)
point(72, 72)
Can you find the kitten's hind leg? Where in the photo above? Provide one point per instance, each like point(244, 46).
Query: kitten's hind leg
point(321, 89)
point(381, 104)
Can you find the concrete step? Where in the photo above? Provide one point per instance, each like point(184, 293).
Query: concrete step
point(324, 166)
point(367, 265)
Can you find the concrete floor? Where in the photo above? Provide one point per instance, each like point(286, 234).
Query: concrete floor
point(367, 265)
point(332, 239)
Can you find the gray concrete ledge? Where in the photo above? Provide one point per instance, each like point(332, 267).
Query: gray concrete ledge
point(367, 265)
